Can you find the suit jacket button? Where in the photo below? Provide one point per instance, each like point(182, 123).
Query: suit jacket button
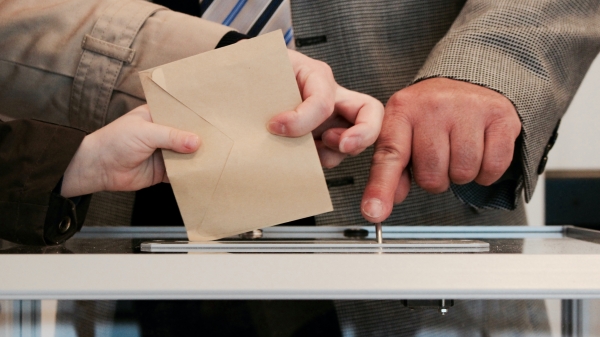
point(64, 225)
point(542, 166)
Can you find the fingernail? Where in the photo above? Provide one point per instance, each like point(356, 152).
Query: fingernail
point(191, 142)
point(276, 128)
point(373, 208)
point(349, 144)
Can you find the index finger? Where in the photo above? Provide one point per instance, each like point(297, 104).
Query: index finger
point(366, 113)
point(392, 155)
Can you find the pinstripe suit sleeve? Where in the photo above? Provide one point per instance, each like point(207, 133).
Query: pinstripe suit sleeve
point(536, 53)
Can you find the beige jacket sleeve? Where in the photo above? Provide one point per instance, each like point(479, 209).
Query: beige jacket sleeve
point(75, 62)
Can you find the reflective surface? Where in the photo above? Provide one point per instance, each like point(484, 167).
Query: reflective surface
point(495, 293)
point(106, 263)
point(480, 318)
point(502, 240)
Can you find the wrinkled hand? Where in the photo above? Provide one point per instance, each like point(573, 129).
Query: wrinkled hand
point(452, 131)
point(343, 122)
point(123, 156)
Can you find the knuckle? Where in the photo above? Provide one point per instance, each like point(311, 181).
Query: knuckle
point(515, 127)
point(498, 107)
point(427, 159)
point(419, 105)
point(462, 175)
point(495, 167)
point(329, 164)
point(398, 100)
point(321, 69)
point(431, 182)
point(503, 151)
point(386, 152)
point(503, 111)
point(331, 161)
point(325, 108)
point(394, 120)
point(506, 130)
point(329, 158)
point(435, 100)
point(292, 124)
point(324, 67)
point(486, 180)
point(430, 171)
point(173, 136)
point(142, 112)
point(465, 163)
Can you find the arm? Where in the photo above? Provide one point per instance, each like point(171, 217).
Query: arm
point(35, 155)
point(504, 62)
point(92, 79)
point(87, 85)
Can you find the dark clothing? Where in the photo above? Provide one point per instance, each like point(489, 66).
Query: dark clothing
point(33, 157)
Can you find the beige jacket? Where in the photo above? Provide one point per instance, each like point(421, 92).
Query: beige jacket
point(75, 62)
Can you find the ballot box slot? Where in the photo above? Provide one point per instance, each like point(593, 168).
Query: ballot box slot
point(319, 246)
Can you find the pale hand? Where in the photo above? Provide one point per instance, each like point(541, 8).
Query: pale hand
point(124, 156)
point(343, 122)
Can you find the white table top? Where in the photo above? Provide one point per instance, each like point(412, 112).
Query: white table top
point(555, 270)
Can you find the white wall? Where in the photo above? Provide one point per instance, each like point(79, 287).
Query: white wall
point(578, 144)
point(577, 147)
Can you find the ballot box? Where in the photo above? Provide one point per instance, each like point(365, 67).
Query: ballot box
point(432, 269)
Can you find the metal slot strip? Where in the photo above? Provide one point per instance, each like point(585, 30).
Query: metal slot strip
point(388, 246)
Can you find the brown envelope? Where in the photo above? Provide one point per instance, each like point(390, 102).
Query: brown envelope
point(242, 177)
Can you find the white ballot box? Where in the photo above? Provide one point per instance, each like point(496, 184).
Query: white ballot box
point(454, 264)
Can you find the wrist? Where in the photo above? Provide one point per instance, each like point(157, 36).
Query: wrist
point(82, 176)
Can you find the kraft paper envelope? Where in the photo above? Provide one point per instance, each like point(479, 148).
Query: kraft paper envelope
point(242, 177)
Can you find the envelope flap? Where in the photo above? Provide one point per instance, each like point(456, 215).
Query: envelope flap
point(194, 177)
point(227, 86)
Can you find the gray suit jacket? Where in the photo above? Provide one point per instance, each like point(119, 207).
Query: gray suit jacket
point(534, 52)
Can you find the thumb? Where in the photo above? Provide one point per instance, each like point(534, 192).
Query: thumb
point(165, 137)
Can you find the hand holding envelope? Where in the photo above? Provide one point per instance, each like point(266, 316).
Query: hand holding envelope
point(343, 122)
point(243, 177)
